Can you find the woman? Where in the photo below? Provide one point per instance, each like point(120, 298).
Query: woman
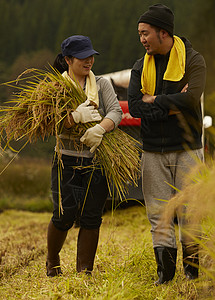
point(77, 175)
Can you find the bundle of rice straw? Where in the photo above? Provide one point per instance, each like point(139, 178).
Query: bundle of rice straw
point(43, 101)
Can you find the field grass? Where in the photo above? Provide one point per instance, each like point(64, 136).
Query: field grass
point(25, 184)
point(125, 267)
point(124, 264)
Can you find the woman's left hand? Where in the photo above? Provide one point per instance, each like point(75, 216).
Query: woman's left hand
point(93, 137)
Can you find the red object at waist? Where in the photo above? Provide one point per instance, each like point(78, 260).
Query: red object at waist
point(127, 119)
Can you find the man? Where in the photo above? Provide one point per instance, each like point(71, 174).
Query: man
point(164, 91)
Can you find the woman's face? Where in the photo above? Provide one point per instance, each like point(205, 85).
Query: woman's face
point(80, 67)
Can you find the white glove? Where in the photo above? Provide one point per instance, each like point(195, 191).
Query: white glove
point(86, 113)
point(93, 137)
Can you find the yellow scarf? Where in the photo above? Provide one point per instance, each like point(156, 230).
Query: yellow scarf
point(91, 87)
point(175, 68)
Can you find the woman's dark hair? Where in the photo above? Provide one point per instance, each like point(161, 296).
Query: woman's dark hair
point(60, 63)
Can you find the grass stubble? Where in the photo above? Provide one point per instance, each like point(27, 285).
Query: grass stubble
point(124, 264)
point(124, 267)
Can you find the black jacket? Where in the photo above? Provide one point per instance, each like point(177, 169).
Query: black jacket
point(160, 131)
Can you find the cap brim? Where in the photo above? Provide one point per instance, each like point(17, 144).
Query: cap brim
point(86, 54)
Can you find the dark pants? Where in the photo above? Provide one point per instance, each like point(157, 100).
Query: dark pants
point(83, 190)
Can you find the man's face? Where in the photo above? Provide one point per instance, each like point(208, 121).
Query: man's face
point(150, 39)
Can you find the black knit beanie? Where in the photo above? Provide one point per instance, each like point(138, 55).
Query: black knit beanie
point(160, 16)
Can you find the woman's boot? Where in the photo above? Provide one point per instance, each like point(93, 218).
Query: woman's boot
point(191, 261)
point(55, 241)
point(166, 263)
point(86, 249)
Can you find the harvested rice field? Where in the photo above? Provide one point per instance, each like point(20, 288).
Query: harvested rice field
point(124, 265)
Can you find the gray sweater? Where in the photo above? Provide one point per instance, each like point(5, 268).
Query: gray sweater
point(108, 107)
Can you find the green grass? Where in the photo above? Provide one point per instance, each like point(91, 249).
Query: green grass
point(25, 184)
point(124, 265)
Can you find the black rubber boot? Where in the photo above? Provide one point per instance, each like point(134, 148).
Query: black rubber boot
point(55, 241)
point(166, 263)
point(86, 249)
point(191, 261)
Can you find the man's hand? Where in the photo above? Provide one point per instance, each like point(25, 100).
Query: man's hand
point(184, 90)
point(148, 99)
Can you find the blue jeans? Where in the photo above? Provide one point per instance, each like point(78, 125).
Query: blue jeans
point(83, 189)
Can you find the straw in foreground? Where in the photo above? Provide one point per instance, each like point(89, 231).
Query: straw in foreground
point(43, 101)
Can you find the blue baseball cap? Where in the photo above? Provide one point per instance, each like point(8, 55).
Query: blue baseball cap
point(78, 46)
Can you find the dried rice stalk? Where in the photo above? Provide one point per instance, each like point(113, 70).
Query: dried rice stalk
point(38, 110)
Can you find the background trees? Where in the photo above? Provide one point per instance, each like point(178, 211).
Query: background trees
point(31, 32)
